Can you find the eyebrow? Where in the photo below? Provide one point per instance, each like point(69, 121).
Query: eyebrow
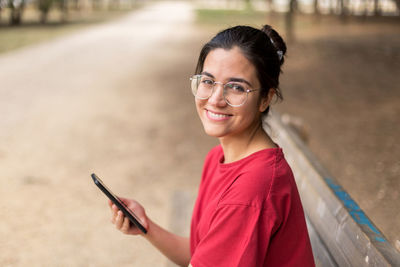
point(232, 79)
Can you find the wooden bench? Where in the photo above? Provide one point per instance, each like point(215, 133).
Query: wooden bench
point(340, 232)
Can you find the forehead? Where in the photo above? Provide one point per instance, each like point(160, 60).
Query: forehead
point(224, 64)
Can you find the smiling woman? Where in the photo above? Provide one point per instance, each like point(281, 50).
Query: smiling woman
point(248, 210)
point(220, 114)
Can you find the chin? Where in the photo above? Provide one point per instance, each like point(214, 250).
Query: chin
point(211, 131)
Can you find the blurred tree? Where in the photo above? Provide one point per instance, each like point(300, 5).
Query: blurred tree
point(270, 5)
point(63, 5)
point(332, 7)
point(377, 11)
point(96, 4)
point(343, 8)
point(398, 5)
point(44, 8)
point(289, 20)
point(317, 11)
point(292, 6)
point(77, 5)
point(316, 7)
point(16, 9)
point(248, 5)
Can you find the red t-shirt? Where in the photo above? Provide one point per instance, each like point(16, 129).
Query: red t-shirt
point(248, 213)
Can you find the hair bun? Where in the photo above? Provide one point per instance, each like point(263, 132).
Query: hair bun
point(276, 41)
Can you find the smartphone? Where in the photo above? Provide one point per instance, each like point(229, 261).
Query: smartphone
point(121, 205)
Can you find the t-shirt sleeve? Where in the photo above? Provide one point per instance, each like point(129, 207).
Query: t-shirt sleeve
point(238, 235)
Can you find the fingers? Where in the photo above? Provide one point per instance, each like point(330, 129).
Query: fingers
point(119, 220)
point(122, 222)
point(125, 226)
point(114, 213)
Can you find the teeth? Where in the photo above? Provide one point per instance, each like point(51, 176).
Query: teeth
point(217, 115)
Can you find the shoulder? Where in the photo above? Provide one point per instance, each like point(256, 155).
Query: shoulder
point(213, 157)
point(214, 154)
point(262, 178)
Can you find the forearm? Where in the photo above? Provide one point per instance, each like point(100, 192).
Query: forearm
point(175, 247)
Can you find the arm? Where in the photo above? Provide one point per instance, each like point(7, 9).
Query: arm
point(175, 247)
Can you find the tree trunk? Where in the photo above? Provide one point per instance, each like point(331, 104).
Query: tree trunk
point(289, 20)
point(292, 6)
point(76, 4)
point(377, 11)
point(44, 7)
point(398, 5)
point(16, 12)
point(316, 7)
point(331, 7)
point(15, 18)
point(43, 17)
point(64, 10)
point(343, 9)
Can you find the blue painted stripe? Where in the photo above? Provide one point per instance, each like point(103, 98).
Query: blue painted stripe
point(355, 211)
point(380, 239)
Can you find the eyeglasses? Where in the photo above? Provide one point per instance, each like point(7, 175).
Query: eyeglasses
point(235, 93)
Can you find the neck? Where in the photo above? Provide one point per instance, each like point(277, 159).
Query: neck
point(240, 146)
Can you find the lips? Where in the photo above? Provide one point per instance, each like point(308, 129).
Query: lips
point(217, 116)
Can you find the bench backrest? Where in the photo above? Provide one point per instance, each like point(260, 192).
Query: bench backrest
point(340, 232)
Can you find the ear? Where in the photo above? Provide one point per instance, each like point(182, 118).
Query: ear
point(266, 100)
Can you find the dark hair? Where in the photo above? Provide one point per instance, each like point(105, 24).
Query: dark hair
point(264, 48)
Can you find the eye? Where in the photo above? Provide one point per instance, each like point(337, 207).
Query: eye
point(237, 87)
point(206, 81)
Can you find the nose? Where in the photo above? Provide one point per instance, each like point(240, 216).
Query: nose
point(217, 97)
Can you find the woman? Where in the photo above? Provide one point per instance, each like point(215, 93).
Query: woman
point(248, 211)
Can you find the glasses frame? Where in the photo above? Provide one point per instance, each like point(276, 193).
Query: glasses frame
point(224, 91)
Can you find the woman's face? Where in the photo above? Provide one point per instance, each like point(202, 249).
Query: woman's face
point(218, 118)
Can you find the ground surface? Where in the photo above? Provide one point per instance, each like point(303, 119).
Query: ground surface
point(114, 99)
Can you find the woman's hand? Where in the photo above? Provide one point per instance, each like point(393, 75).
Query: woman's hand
point(122, 223)
point(175, 247)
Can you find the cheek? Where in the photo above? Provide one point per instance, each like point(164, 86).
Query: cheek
point(199, 105)
point(251, 113)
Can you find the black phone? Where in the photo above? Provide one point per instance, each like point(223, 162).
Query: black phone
point(119, 203)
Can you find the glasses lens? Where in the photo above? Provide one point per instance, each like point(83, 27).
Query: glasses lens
point(235, 94)
point(202, 86)
point(194, 84)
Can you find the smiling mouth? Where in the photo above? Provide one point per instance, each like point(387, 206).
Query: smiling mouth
point(217, 116)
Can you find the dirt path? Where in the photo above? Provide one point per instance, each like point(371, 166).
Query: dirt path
point(106, 100)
